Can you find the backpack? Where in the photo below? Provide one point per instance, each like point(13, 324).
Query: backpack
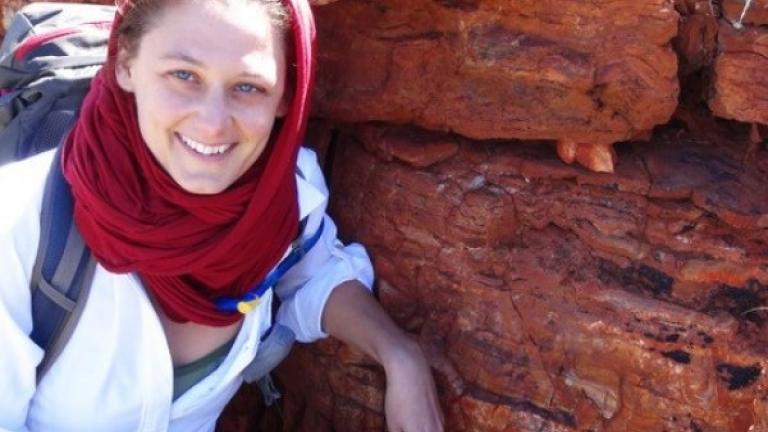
point(48, 57)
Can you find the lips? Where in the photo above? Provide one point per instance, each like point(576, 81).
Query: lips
point(204, 149)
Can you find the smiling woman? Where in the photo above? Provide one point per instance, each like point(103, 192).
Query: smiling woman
point(213, 99)
point(183, 166)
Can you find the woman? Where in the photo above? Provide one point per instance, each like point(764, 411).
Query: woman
point(183, 169)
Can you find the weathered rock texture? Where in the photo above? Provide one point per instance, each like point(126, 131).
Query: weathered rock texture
point(696, 41)
point(550, 298)
point(586, 72)
point(741, 84)
point(746, 12)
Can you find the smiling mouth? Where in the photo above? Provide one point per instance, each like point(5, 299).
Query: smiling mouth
point(204, 149)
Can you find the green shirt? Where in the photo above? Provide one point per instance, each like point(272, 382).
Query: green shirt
point(186, 376)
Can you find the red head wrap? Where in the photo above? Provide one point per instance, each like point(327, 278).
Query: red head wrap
point(188, 249)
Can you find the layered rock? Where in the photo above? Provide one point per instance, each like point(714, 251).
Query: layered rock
point(583, 72)
point(696, 40)
point(746, 11)
point(551, 298)
point(741, 83)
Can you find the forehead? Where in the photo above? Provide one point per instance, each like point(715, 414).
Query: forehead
point(215, 32)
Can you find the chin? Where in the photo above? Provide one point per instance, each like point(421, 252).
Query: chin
point(202, 188)
point(204, 191)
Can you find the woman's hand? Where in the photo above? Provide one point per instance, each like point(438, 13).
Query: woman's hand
point(355, 317)
point(411, 403)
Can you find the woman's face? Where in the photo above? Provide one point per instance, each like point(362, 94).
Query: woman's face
point(209, 80)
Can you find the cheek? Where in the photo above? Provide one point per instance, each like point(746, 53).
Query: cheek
point(157, 120)
point(159, 110)
point(257, 122)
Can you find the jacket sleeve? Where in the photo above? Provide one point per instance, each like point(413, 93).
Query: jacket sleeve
point(20, 191)
point(304, 290)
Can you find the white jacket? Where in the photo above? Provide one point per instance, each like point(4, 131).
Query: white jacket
point(115, 374)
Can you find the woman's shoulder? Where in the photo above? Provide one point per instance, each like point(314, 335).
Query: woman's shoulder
point(21, 191)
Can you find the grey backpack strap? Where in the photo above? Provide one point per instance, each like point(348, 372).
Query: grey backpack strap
point(48, 56)
point(272, 350)
point(62, 274)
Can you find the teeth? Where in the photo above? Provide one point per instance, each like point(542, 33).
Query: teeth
point(202, 148)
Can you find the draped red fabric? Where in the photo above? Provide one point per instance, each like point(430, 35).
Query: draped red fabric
point(188, 249)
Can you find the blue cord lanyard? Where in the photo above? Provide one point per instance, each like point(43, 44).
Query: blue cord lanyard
point(251, 298)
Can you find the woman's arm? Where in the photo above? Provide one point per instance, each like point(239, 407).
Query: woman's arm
point(355, 317)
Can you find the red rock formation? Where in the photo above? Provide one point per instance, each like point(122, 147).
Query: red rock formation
point(741, 84)
point(746, 12)
point(551, 298)
point(582, 72)
point(696, 41)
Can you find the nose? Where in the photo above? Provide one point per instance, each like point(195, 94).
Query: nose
point(214, 116)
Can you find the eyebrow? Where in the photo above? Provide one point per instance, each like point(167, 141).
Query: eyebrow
point(183, 57)
point(175, 55)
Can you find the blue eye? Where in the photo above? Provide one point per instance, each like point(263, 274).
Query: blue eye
point(182, 75)
point(247, 88)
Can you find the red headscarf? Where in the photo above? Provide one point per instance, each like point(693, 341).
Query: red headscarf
point(188, 249)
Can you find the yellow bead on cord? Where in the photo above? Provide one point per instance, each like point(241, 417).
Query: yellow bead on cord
point(246, 306)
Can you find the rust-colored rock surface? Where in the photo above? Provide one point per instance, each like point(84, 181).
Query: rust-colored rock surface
point(550, 298)
point(741, 81)
point(746, 11)
point(584, 71)
point(696, 40)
